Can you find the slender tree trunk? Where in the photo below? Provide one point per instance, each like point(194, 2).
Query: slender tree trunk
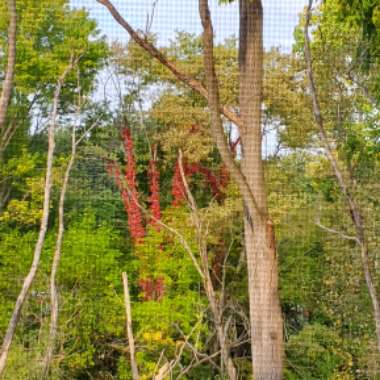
point(213, 300)
point(218, 321)
point(352, 205)
point(56, 260)
point(54, 296)
point(131, 340)
point(260, 246)
point(42, 233)
point(364, 255)
point(10, 70)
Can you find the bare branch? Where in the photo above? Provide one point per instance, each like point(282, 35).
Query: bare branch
point(336, 232)
point(213, 300)
point(89, 129)
point(150, 18)
point(216, 121)
point(155, 53)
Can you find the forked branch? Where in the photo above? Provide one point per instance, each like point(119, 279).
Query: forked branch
point(214, 106)
point(194, 84)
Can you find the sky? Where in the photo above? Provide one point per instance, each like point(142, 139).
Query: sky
point(280, 18)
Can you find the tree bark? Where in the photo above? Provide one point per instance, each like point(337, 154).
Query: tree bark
point(131, 340)
point(265, 312)
point(42, 232)
point(10, 70)
point(352, 205)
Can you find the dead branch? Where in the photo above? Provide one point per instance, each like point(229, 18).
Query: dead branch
point(336, 232)
point(194, 84)
point(209, 288)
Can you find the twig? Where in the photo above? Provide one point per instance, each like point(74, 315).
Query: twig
point(208, 286)
point(336, 232)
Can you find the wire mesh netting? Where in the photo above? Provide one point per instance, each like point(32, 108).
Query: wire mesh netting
point(189, 189)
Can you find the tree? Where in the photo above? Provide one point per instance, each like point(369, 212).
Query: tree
point(352, 205)
point(54, 296)
point(45, 34)
point(260, 246)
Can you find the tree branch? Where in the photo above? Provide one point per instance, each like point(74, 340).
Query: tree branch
point(336, 232)
point(216, 121)
point(215, 305)
point(321, 125)
point(194, 84)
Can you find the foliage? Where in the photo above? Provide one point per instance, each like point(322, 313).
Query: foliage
point(316, 353)
point(327, 312)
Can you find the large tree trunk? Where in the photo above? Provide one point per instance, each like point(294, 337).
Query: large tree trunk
point(265, 311)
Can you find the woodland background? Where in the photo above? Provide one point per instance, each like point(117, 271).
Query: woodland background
point(138, 143)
